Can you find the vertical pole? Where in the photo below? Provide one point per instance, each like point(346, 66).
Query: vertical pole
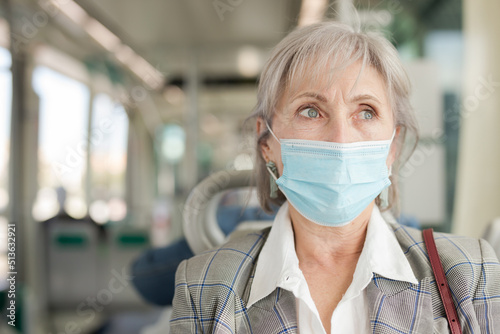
point(23, 162)
point(478, 178)
point(344, 10)
point(191, 122)
point(88, 179)
point(16, 163)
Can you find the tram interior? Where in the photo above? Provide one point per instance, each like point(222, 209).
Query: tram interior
point(112, 111)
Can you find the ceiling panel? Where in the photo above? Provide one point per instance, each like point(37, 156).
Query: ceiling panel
point(166, 32)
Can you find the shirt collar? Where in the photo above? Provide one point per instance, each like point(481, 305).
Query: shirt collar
point(278, 260)
point(383, 251)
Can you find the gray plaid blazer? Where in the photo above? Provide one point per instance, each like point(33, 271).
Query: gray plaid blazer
point(212, 290)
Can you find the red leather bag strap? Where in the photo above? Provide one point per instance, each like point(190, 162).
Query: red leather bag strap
point(442, 283)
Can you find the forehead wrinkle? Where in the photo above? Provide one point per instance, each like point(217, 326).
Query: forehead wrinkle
point(319, 70)
point(321, 74)
point(311, 75)
point(350, 96)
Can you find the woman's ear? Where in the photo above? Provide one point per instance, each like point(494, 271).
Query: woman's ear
point(264, 147)
point(261, 126)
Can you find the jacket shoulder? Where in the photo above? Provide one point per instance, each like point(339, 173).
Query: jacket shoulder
point(458, 254)
point(209, 286)
point(228, 266)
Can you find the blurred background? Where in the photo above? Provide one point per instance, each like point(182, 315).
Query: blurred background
point(111, 111)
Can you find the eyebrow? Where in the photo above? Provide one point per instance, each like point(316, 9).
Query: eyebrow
point(311, 94)
point(364, 97)
point(357, 98)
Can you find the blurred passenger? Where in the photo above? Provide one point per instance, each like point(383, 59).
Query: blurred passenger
point(333, 119)
point(154, 271)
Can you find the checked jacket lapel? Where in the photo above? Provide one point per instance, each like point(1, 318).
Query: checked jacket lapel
point(275, 313)
point(400, 307)
point(394, 307)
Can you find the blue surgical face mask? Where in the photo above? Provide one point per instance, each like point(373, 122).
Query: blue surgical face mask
point(330, 183)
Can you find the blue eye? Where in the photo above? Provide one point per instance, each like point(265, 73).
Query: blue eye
point(310, 113)
point(367, 114)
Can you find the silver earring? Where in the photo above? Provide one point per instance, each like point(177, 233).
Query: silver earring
point(384, 198)
point(271, 166)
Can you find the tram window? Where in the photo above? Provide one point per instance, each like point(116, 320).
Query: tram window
point(62, 147)
point(5, 110)
point(108, 160)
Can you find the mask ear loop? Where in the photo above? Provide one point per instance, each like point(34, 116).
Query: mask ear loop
point(272, 169)
point(269, 128)
point(384, 195)
point(393, 135)
point(392, 140)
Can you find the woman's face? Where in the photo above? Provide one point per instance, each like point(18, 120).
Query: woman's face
point(347, 111)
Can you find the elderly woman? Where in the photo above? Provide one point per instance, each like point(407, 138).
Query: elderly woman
point(333, 115)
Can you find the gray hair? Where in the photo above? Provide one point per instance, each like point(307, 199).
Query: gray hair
point(330, 47)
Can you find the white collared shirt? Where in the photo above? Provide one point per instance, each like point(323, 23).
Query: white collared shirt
point(278, 267)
